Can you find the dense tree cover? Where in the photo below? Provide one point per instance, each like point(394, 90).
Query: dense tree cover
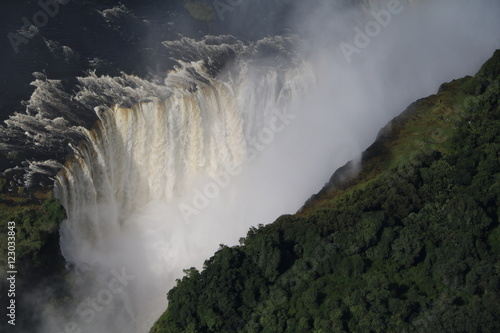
point(36, 230)
point(413, 248)
point(38, 258)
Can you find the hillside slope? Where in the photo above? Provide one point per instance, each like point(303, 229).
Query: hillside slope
point(410, 243)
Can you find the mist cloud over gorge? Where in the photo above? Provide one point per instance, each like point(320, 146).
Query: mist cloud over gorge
point(425, 45)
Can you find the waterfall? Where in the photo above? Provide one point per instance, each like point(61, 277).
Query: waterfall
point(122, 186)
point(145, 166)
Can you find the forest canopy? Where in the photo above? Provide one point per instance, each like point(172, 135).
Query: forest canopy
point(410, 244)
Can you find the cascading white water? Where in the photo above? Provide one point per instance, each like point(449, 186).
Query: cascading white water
point(154, 144)
point(123, 185)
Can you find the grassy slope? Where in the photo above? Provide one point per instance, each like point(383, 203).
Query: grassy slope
point(425, 126)
point(408, 244)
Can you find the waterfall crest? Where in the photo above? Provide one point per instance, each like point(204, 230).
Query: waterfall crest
point(138, 160)
point(154, 149)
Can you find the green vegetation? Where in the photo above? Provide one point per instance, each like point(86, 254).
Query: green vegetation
point(38, 259)
point(37, 216)
point(409, 244)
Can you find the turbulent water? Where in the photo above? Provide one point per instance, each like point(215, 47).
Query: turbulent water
point(156, 148)
point(140, 163)
point(155, 172)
